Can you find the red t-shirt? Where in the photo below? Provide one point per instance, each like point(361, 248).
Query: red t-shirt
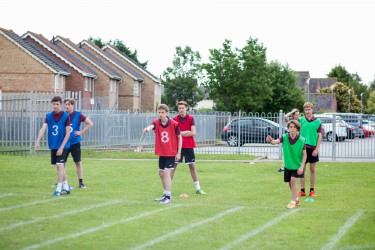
point(166, 137)
point(185, 123)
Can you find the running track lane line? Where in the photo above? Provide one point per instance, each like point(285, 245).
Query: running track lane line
point(183, 229)
point(27, 204)
point(94, 229)
point(259, 230)
point(5, 195)
point(23, 223)
point(349, 223)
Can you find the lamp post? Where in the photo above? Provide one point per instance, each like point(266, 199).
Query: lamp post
point(332, 97)
point(349, 101)
point(308, 90)
point(361, 103)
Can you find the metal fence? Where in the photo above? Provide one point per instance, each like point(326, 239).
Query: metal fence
point(22, 115)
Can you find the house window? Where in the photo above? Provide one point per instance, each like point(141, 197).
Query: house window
point(89, 83)
point(136, 87)
point(86, 83)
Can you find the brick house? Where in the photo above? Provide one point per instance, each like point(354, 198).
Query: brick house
point(150, 92)
point(312, 87)
point(108, 79)
point(82, 77)
point(24, 67)
point(129, 95)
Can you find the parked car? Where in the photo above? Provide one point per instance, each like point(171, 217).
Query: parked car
point(327, 124)
point(368, 128)
point(250, 130)
point(355, 120)
point(350, 131)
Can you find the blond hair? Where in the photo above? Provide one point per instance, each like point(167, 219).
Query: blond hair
point(308, 104)
point(182, 103)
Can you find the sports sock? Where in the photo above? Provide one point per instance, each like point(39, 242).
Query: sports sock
point(58, 188)
point(168, 194)
point(65, 185)
point(293, 202)
point(302, 189)
point(80, 181)
point(197, 186)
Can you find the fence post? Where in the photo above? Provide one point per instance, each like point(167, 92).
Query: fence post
point(281, 131)
point(333, 138)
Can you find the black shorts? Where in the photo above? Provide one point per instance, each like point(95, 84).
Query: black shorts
point(310, 158)
point(188, 154)
point(288, 174)
point(58, 159)
point(75, 150)
point(166, 162)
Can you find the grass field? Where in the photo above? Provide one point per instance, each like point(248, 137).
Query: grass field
point(244, 207)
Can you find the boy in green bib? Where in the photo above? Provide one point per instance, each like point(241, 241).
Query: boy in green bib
point(311, 129)
point(294, 153)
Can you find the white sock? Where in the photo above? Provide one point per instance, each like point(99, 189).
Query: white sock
point(58, 188)
point(293, 202)
point(65, 185)
point(197, 186)
point(167, 193)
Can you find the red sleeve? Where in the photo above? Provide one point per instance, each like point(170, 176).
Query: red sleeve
point(82, 118)
point(67, 122)
point(192, 123)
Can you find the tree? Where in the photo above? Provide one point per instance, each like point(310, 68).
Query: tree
point(284, 86)
point(342, 97)
point(120, 45)
point(352, 81)
point(371, 103)
point(181, 80)
point(236, 79)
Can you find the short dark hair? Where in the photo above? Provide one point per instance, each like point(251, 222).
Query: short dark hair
point(57, 99)
point(296, 123)
point(70, 100)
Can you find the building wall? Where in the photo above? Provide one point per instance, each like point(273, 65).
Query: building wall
point(74, 82)
point(149, 95)
point(102, 83)
point(127, 100)
point(20, 72)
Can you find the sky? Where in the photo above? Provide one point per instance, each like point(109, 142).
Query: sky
point(307, 35)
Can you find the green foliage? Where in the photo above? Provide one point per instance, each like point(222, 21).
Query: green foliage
point(120, 45)
point(286, 94)
point(236, 79)
point(181, 80)
point(352, 81)
point(117, 210)
point(342, 97)
point(371, 103)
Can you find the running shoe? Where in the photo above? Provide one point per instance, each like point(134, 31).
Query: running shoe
point(291, 205)
point(281, 170)
point(312, 193)
point(56, 193)
point(82, 186)
point(301, 193)
point(165, 201)
point(160, 199)
point(200, 191)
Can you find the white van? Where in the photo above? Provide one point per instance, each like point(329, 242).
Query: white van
point(327, 124)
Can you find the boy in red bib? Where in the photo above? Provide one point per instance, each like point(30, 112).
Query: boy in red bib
point(186, 124)
point(168, 143)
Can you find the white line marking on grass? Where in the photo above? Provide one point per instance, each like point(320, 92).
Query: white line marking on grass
point(94, 229)
point(23, 223)
point(5, 195)
point(183, 229)
point(27, 204)
point(260, 229)
point(349, 223)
